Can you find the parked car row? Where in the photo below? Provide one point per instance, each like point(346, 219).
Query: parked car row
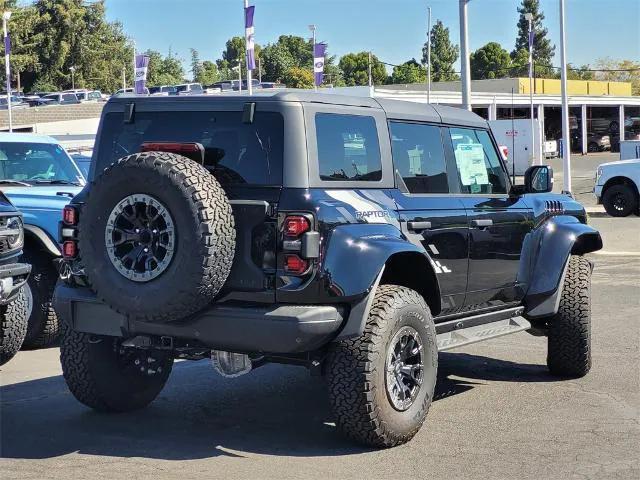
point(41, 99)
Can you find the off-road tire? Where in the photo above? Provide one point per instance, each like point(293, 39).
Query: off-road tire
point(204, 236)
point(569, 339)
point(616, 193)
point(13, 327)
point(92, 367)
point(355, 372)
point(43, 329)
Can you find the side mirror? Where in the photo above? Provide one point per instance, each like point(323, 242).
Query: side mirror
point(538, 179)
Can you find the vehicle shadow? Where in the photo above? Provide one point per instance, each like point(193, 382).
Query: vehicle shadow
point(276, 410)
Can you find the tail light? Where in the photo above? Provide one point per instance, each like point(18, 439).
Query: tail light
point(505, 152)
point(70, 215)
point(69, 249)
point(295, 265)
point(296, 225)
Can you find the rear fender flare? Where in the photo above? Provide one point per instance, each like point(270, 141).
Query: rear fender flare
point(39, 236)
point(355, 264)
point(555, 241)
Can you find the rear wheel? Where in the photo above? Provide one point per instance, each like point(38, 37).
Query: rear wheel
point(107, 377)
point(619, 200)
point(43, 327)
point(13, 327)
point(569, 338)
point(381, 384)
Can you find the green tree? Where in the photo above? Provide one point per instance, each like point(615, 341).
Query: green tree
point(520, 65)
point(196, 66)
point(163, 70)
point(409, 72)
point(297, 77)
point(543, 49)
point(233, 53)
point(580, 73)
point(444, 54)
point(276, 61)
point(355, 69)
point(208, 73)
point(490, 61)
point(619, 71)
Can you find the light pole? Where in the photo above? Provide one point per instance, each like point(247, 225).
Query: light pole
point(529, 17)
point(464, 56)
point(429, 58)
point(566, 150)
point(7, 51)
point(72, 69)
point(246, 53)
point(312, 27)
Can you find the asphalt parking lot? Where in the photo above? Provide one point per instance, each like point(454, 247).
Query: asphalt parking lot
point(497, 414)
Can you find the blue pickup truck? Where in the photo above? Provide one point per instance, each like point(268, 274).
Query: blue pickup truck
point(39, 178)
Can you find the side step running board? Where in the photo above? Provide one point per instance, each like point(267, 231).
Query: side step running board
point(478, 333)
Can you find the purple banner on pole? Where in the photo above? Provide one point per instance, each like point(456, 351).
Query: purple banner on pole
point(248, 36)
point(7, 45)
point(319, 50)
point(142, 63)
point(532, 36)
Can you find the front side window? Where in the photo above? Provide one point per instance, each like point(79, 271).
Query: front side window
point(235, 152)
point(479, 168)
point(348, 148)
point(36, 163)
point(419, 157)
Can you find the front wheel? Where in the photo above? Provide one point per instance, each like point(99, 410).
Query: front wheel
point(569, 340)
point(13, 327)
point(109, 378)
point(381, 384)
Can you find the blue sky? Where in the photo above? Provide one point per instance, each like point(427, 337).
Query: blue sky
point(393, 29)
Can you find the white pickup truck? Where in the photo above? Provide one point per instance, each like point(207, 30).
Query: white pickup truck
point(616, 187)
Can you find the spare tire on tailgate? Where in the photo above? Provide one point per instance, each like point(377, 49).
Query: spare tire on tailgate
point(156, 236)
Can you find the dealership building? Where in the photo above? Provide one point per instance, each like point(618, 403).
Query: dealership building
point(596, 108)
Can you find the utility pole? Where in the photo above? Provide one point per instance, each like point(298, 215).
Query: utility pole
point(259, 70)
point(133, 78)
point(239, 75)
point(370, 77)
point(7, 66)
point(246, 53)
point(566, 147)
point(529, 17)
point(124, 79)
point(464, 56)
point(312, 27)
point(429, 58)
point(72, 69)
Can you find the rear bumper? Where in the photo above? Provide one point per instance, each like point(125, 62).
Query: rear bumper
point(272, 329)
point(12, 277)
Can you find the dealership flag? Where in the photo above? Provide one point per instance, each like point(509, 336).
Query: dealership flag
point(142, 63)
point(248, 36)
point(532, 36)
point(318, 62)
point(7, 45)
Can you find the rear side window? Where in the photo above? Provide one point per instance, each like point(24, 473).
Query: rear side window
point(235, 152)
point(479, 168)
point(348, 148)
point(419, 157)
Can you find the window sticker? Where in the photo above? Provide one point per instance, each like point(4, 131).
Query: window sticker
point(415, 160)
point(470, 160)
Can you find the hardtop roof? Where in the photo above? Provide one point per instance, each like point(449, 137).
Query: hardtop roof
point(394, 109)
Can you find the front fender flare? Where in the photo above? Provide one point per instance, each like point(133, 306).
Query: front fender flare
point(40, 236)
point(555, 241)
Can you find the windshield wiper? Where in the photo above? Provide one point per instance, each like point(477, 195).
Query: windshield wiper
point(14, 182)
point(55, 182)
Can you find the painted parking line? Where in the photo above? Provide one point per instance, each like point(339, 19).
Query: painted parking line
point(616, 254)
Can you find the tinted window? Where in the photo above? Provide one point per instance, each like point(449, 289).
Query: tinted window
point(69, 98)
point(236, 152)
point(419, 157)
point(479, 169)
point(154, 89)
point(36, 163)
point(348, 148)
point(181, 88)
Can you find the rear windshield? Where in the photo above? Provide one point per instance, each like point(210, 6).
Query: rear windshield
point(235, 152)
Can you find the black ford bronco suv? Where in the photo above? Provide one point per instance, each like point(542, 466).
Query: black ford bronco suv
point(13, 303)
point(355, 236)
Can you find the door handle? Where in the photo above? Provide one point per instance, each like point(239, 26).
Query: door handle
point(418, 226)
point(481, 222)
